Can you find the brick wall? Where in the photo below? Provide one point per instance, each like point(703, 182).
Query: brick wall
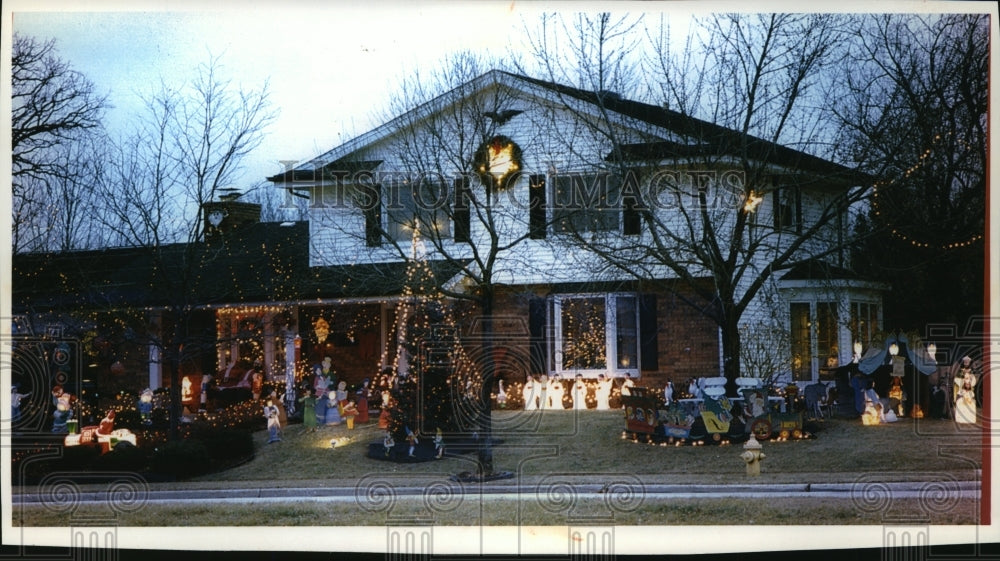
point(687, 341)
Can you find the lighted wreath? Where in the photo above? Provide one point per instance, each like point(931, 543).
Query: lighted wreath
point(497, 161)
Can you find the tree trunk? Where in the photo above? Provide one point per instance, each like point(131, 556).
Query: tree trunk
point(484, 422)
point(731, 352)
point(173, 363)
point(173, 357)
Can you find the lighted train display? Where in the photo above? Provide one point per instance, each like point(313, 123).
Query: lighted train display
point(711, 420)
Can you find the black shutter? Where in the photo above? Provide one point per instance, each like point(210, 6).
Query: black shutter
point(371, 202)
point(648, 333)
point(537, 335)
point(536, 207)
point(461, 213)
point(631, 201)
point(798, 210)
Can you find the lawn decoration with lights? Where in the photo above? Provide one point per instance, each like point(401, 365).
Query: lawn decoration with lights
point(710, 420)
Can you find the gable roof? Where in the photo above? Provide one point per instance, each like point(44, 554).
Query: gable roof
point(706, 138)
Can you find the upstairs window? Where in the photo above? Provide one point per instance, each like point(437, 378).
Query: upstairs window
point(586, 203)
point(788, 209)
point(420, 205)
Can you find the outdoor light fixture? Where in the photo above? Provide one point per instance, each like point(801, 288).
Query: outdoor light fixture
point(752, 201)
point(322, 329)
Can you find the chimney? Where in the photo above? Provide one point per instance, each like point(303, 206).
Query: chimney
point(224, 216)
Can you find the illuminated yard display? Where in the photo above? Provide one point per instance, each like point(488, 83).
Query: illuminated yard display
point(709, 420)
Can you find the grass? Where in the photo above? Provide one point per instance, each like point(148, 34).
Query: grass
point(548, 448)
point(590, 444)
point(677, 512)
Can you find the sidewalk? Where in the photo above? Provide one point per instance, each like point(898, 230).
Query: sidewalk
point(855, 491)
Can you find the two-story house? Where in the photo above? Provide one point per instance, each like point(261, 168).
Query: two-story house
point(584, 220)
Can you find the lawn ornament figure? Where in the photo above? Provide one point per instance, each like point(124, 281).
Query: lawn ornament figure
point(501, 396)
point(579, 393)
point(965, 393)
point(63, 402)
point(350, 411)
point(412, 440)
point(332, 415)
point(555, 393)
point(15, 404)
point(603, 394)
point(439, 443)
point(146, 406)
point(273, 422)
point(529, 394)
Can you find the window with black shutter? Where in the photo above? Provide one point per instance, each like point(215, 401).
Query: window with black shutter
point(536, 207)
point(371, 205)
point(537, 311)
point(787, 209)
point(649, 351)
point(631, 204)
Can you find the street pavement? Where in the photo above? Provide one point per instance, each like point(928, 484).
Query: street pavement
point(859, 491)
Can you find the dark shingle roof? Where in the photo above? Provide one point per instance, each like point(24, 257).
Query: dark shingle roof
point(816, 269)
point(263, 262)
point(706, 138)
point(330, 172)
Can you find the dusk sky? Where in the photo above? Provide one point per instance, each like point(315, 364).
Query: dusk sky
point(329, 68)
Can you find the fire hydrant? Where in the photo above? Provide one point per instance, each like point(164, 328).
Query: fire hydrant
point(752, 455)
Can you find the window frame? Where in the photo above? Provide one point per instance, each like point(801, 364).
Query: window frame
point(787, 203)
point(401, 214)
point(562, 209)
point(556, 349)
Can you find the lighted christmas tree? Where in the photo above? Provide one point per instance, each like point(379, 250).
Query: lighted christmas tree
point(430, 375)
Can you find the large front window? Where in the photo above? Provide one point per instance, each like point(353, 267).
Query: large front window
point(801, 336)
point(815, 338)
point(249, 336)
point(827, 334)
point(864, 322)
point(594, 334)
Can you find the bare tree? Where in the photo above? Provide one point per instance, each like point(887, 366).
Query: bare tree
point(697, 191)
point(914, 115)
point(448, 200)
point(52, 105)
point(143, 185)
point(187, 147)
point(75, 195)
